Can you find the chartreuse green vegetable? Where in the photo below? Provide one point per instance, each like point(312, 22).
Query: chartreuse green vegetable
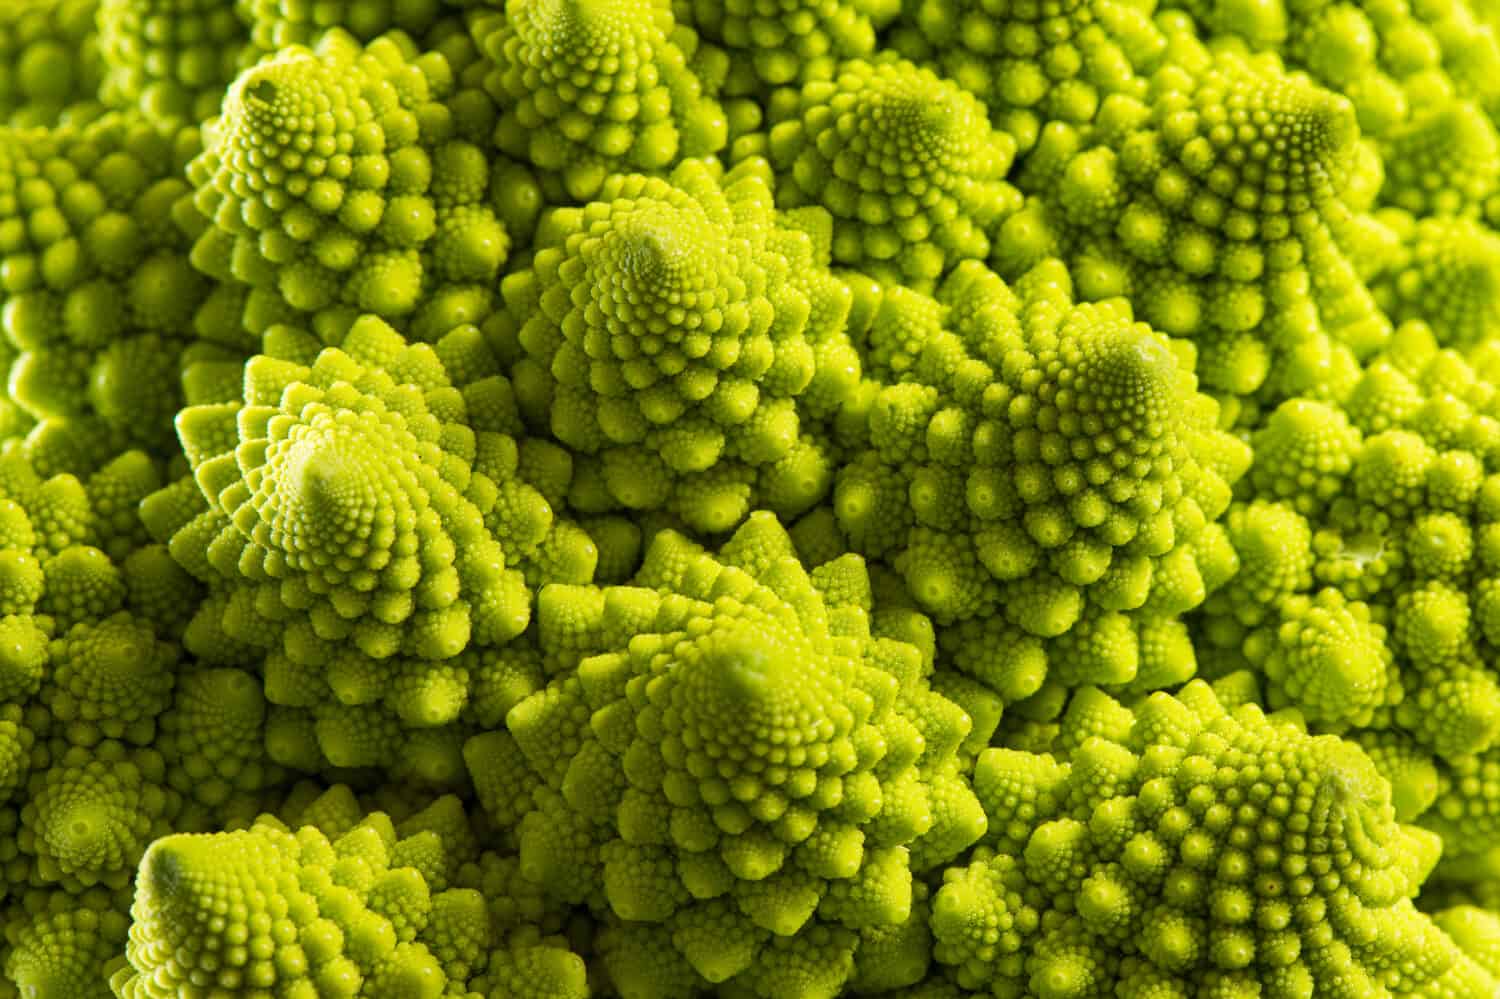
point(593, 87)
point(742, 763)
point(371, 911)
point(686, 340)
point(349, 179)
point(1183, 846)
point(771, 499)
point(904, 160)
point(365, 522)
point(1211, 201)
point(1043, 475)
point(99, 298)
point(50, 66)
point(169, 57)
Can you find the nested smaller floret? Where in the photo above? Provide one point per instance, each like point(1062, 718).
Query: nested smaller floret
point(734, 762)
point(91, 814)
point(346, 179)
point(213, 739)
point(112, 674)
point(170, 58)
point(904, 160)
point(1196, 845)
point(363, 912)
point(687, 337)
point(362, 520)
point(1330, 660)
point(1036, 63)
point(1214, 204)
point(788, 42)
point(50, 67)
point(1369, 552)
point(1039, 472)
point(1444, 272)
point(593, 87)
point(1445, 162)
point(65, 944)
point(59, 541)
point(100, 298)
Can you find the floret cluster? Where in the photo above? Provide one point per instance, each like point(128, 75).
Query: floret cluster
point(770, 499)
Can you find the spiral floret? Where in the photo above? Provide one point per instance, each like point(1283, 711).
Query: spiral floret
point(1215, 204)
point(92, 814)
point(689, 338)
point(1201, 846)
point(363, 912)
point(364, 521)
point(905, 161)
point(1064, 475)
point(593, 87)
point(772, 777)
point(339, 180)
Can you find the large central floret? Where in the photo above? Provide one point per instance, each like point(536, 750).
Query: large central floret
point(671, 303)
point(686, 333)
point(731, 762)
point(368, 517)
point(343, 507)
